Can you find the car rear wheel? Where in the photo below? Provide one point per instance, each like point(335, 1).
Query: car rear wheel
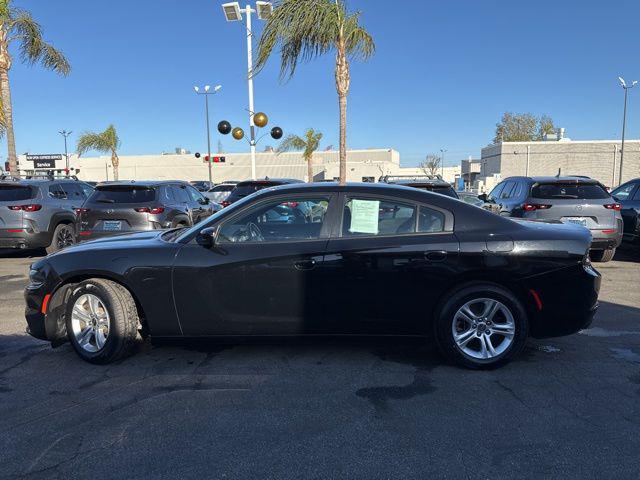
point(481, 326)
point(102, 321)
point(63, 236)
point(602, 255)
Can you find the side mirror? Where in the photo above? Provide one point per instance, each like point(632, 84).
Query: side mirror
point(206, 237)
point(483, 197)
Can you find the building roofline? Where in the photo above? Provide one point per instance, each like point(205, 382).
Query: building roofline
point(559, 142)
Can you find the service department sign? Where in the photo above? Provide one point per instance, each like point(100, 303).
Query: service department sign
point(44, 161)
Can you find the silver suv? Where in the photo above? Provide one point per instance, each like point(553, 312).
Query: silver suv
point(579, 200)
point(40, 213)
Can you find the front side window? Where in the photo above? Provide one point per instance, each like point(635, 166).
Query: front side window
point(278, 220)
point(495, 193)
point(194, 194)
point(506, 191)
point(365, 217)
point(622, 193)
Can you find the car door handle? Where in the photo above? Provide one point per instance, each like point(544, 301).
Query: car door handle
point(307, 264)
point(435, 255)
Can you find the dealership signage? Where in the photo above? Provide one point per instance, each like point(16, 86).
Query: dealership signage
point(44, 161)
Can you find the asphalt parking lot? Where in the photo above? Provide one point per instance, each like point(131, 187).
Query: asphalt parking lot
point(568, 407)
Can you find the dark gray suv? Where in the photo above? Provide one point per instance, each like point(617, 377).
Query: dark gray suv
point(40, 213)
point(578, 200)
point(128, 206)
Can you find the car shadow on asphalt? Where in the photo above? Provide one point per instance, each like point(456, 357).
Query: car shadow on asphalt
point(15, 253)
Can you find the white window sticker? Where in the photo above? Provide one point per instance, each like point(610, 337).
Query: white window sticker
point(364, 216)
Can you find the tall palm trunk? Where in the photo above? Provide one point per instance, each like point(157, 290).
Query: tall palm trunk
point(7, 110)
point(342, 86)
point(115, 162)
point(310, 169)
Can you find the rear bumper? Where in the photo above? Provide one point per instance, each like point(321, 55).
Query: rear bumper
point(87, 235)
point(24, 240)
point(568, 301)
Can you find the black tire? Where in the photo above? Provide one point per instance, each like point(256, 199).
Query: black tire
point(124, 322)
point(63, 236)
point(445, 317)
point(602, 256)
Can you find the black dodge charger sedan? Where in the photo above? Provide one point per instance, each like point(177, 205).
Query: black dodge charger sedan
point(324, 259)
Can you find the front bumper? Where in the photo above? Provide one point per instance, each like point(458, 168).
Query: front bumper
point(569, 301)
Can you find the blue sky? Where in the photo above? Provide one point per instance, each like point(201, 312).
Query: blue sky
point(443, 74)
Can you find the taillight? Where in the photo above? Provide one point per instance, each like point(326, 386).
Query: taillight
point(34, 207)
point(224, 203)
point(152, 211)
point(290, 204)
point(613, 206)
point(530, 207)
point(609, 230)
point(80, 211)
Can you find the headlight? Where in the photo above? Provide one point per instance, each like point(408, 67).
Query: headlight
point(36, 277)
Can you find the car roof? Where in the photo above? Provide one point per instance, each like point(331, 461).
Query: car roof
point(38, 181)
point(281, 181)
point(141, 183)
point(556, 179)
point(414, 183)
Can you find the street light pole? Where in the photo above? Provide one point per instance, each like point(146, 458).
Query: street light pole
point(442, 151)
point(65, 134)
point(233, 13)
point(206, 94)
point(252, 134)
point(624, 121)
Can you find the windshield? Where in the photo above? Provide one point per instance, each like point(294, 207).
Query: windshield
point(13, 193)
point(587, 191)
point(123, 194)
point(187, 232)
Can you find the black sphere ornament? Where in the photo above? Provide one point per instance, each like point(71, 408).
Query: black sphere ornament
point(224, 127)
point(276, 133)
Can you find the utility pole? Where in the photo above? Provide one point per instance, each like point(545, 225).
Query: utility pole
point(65, 134)
point(624, 121)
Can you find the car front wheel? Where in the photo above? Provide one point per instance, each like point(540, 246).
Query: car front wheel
point(102, 321)
point(481, 326)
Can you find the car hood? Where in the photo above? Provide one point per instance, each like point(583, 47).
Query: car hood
point(127, 240)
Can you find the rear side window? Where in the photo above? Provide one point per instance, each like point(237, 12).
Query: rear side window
point(123, 194)
point(587, 191)
point(364, 217)
point(181, 195)
point(12, 193)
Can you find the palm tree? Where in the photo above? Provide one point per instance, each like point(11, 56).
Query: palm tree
point(105, 142)
point(307, 145)
point(17, 25)
point(310, 28)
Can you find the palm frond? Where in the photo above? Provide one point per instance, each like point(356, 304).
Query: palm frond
point(105, 142)
point(292, 142)
point(359, 43)
point(33, 48)
point(303, 29)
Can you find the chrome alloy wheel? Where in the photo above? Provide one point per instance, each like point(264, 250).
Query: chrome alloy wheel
point(483, 328)
point(90, 322)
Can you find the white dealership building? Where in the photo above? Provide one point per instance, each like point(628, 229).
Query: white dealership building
point(362, 165)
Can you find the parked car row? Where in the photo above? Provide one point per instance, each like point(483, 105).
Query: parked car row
point(56, 213)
